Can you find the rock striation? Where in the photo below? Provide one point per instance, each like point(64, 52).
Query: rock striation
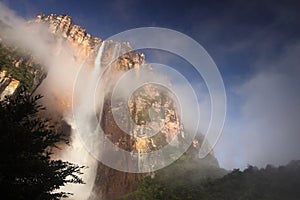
point(76, 35)
point(8, 85)
point(86, 44)
point(152, 108)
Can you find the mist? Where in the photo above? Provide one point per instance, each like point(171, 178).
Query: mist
point(64, 73)
point(57, 58)
point(265, 127)
point(262, 124)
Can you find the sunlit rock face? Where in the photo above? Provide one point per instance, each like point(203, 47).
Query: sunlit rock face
point(84, 43)
point(154, 122)
point(76, 35)
point(155, 114)
point(152, 108)
point(74, 45)
point(17, 68)
point(8, 85)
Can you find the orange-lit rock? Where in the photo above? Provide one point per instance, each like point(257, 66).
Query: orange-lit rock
point(8, 85)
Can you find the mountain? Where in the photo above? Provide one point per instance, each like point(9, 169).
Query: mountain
point(150, 107)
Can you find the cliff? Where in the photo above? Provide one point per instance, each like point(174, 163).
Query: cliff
point(17, 68)
point(150, 106)
point(84, 43)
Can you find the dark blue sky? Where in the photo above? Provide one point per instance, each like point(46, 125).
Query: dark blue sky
point(255, 44)
point(216, 25)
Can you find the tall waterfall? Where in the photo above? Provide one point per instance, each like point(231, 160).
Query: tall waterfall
point(76, 152)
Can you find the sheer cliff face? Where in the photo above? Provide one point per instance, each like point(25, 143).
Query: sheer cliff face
point(81, 48)
point(153, 108)
point(84, 43)
point(75, 35)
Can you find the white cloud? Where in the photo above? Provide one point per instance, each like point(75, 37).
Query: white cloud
point(268, 130)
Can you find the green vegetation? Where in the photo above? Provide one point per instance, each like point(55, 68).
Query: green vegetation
point(28, 75)
point(26, 143)
point(182, 181)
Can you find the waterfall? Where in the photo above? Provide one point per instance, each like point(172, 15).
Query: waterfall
point(76, 152)
point(116, 52)
point(97, 63)
point(84, 110)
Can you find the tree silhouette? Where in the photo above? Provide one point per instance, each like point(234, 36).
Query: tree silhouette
point(26, 141)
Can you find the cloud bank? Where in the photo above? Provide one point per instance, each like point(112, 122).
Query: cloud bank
point(267, 130)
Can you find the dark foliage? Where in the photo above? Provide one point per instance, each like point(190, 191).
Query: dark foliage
point(26, 141)
point(28, 73)
point(270, 183)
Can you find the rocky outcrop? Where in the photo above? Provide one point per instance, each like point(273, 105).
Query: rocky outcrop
point(17, 68)
point(152, 108)
point(8, 85)
point(76, 35)
point(86, 44)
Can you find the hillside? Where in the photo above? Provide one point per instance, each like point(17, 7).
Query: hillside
point(269, 183)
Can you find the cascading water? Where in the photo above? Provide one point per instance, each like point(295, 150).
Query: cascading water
point(76, 152)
